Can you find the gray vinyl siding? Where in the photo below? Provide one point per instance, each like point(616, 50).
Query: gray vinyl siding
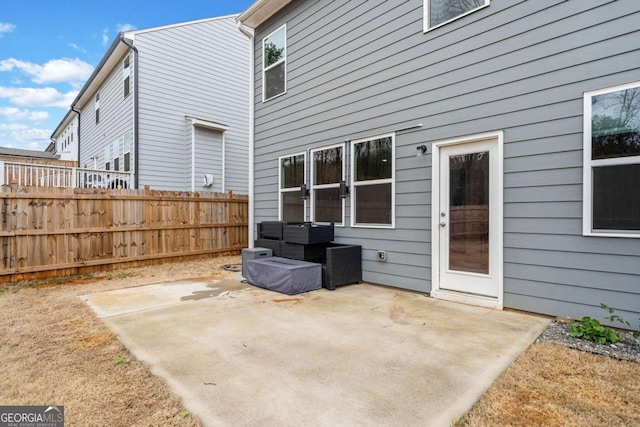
point(199, 70)
point(364, 68)
point(116, 119)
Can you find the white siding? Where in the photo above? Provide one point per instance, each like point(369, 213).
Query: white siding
point(199, 70)
point(116, 119)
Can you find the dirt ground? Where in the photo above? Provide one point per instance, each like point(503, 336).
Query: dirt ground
point(54, 351)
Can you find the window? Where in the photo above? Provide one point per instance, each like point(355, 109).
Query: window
point(292, 173)
point(107, 156)
point(440, 12)
point(116, 154)
point(126, 76)
point(126, 148)
point(612, 161)
point(327, 171)
point(274, 64)
point(373, 186)
point(97, 107)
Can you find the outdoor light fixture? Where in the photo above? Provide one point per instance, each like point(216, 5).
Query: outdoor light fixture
point(304, 191)
point(344, 190)
point(420, 150)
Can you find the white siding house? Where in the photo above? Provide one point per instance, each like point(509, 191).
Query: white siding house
point(65, 137)
point(170, 105)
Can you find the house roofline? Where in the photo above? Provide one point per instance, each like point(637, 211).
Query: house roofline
point(116, 50)
point(113, 54)
point(132, 33)
point(260, 11)
point(63, 123)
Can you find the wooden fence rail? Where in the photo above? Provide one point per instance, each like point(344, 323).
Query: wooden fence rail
point(59, 231)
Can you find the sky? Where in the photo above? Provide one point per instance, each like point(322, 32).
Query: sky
point(48, 49)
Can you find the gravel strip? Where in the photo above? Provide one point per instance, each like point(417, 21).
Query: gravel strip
point(627, 349)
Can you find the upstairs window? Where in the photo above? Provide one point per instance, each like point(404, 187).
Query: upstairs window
point(612, 162)
point(274, 64)
point(126, 76)
point(292, 177)
point(372, 176)
point(97, 107)
point(327, 172)
point(440, 12)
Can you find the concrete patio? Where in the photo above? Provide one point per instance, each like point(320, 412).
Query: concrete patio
point(359, 355)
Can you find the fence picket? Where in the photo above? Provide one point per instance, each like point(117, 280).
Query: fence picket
point(49, 230)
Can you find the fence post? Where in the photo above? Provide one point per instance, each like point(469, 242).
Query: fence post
point(74, 177)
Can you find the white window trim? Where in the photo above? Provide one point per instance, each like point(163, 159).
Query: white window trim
point(293, 189)
point(324, 186)
point(96, 107)
point(589, 164)
point(426, 15)
point(264, 98)
point(392, 180)
point(126, 72)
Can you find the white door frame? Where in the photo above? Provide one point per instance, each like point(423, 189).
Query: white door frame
point(436, 291)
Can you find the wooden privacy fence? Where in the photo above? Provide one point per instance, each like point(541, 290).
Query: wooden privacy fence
point(60, 231)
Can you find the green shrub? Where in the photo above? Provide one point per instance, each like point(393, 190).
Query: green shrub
point(591, 329)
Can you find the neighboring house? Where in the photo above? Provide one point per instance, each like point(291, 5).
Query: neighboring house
point(491, 149)
point(170, 105)
point(33, 168)
point(64, 139)
point(27, 156)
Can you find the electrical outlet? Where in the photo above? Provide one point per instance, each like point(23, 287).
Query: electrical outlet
point(382, 255)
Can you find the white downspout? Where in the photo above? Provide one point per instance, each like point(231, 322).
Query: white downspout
point(193, 158)
point(224, 162)
point(249, 33)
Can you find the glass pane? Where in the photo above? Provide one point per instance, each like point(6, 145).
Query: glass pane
point(274, 81)
point(616, 199)
point(327, 166)
point(327, 205)
point(443, 10)
point(274, 48)
point(292, 169)
point(292, 207)
point(373, 159)
point(469, 213)
point(615, 124)
point(373, 204)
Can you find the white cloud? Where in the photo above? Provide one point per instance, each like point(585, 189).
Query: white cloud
point(105, 36)
point(125, 27)
point(40, 97)
point(78, 48)
point(12, 127)
point(13, 114)
point(25, 138)
point(53, 71)
point(6, 27)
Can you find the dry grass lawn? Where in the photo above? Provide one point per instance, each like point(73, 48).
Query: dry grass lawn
point(54, 351)
point(552, 385)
